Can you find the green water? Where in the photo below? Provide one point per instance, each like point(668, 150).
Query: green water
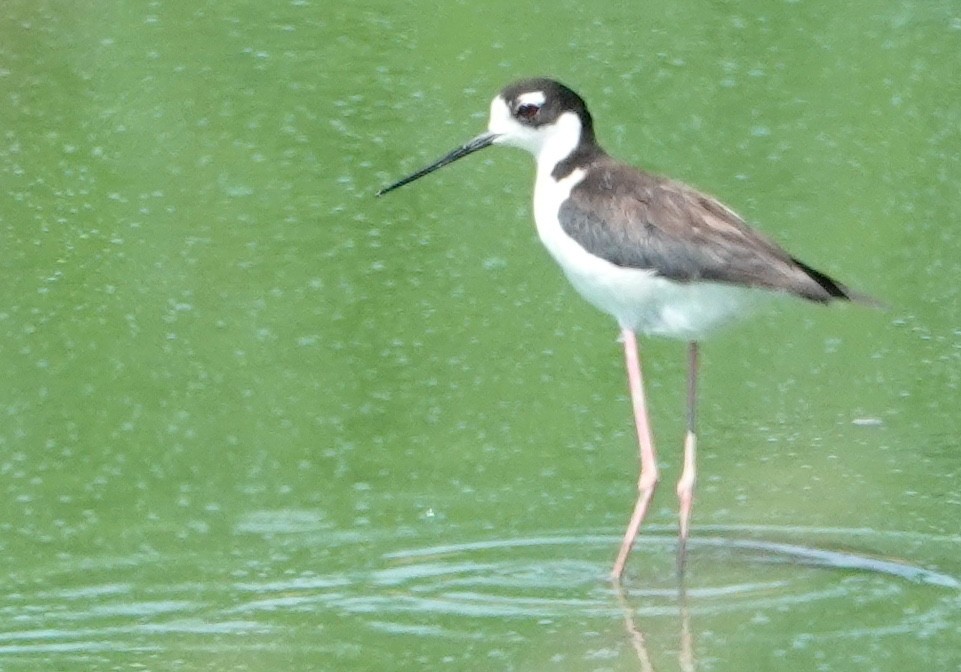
point(253, 418)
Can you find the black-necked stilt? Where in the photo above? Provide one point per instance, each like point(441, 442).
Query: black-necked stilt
point(659, 256)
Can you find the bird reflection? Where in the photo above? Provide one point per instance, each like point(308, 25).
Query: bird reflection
point(685, 657)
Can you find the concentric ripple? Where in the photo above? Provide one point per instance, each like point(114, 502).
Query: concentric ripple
point(549, 576)
point(751, 577)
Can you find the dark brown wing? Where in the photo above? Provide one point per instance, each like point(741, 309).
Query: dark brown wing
point(637, 220)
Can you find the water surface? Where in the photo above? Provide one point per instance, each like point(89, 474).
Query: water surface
point(254, 418)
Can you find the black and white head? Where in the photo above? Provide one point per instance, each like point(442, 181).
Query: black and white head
point(541, 116)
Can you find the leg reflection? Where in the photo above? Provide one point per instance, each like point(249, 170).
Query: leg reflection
point(686, 660)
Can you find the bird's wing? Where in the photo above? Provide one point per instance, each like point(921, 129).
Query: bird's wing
point(654, 223)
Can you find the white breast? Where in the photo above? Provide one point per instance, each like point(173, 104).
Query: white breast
point(637, 299)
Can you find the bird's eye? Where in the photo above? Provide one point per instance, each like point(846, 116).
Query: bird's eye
point(527, 111)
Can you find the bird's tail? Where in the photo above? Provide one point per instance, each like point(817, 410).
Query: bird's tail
point(835, 290)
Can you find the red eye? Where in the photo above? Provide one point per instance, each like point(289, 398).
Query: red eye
point(527, 111)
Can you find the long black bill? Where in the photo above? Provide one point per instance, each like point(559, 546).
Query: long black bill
point(478, 143)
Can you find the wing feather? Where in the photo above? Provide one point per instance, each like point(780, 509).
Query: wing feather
point(651, 222)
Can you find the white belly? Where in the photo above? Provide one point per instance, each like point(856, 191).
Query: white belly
point(638, 299)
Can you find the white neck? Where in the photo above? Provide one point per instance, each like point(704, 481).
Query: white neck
point(558, 141)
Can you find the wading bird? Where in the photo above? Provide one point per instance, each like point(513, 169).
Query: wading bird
point(659, 256)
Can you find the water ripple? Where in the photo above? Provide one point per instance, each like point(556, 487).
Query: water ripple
point(735, 575)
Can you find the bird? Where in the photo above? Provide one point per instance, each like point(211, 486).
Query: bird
point(659, 256)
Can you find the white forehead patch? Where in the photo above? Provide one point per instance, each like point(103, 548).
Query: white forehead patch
point(500, 120)
point(532, 98)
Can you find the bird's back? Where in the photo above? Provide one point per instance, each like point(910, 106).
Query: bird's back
point(637, 220)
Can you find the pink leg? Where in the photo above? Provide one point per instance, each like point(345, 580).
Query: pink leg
point(649, 473)
point(685, 486)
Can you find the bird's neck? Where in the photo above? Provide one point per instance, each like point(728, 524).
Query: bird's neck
point(581, 156)
point(569, 145)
